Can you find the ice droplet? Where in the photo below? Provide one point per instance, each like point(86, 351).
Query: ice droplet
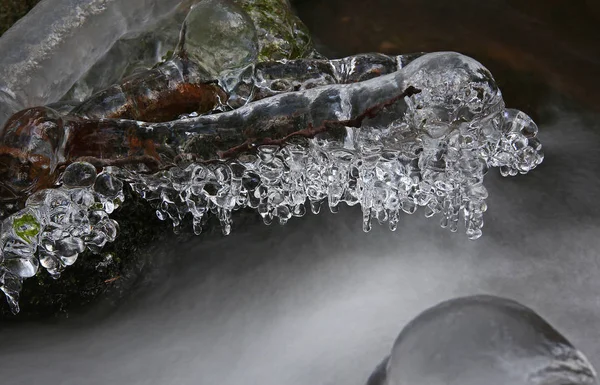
point(79, 174)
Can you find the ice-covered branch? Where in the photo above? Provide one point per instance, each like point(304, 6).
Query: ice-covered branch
point(376, 143)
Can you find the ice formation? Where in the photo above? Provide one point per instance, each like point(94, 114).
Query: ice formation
point(57, 225)
point(429, 150)
point(219, 30)
point(39, 65)
point(482, 340)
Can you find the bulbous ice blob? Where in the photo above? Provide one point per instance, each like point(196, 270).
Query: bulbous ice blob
point(482, 340)
point(79, 174)
point(456, 90)
point(518, 150)
point(219, 35)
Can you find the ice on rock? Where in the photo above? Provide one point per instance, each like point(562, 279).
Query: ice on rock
point(219, 35)
point(281, 34)
point(482, 340)
point(49, 49)
point(133, 53)
point(276, 32)
point(270, 78)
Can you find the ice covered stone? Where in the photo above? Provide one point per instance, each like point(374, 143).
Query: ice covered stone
point(377, 142)
point(56, 226)
point(219, 35)
point(270, 78)
point(281, 36)
point(482, 340)
point(133, 53)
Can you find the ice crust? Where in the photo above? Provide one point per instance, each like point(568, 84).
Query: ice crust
point(482, 340)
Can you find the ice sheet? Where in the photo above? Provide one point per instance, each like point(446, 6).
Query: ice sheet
point(46, 51)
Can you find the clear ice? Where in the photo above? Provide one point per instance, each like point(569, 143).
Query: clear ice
point(482, 340)
point(429, 150)
point(57, 225)
point(221, 35)
point(39, 64)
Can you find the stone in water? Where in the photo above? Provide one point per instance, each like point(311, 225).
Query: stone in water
point(482, 340)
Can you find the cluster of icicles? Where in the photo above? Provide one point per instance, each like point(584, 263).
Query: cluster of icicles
point(280, 182)
point(431, 151)
point(57, 225)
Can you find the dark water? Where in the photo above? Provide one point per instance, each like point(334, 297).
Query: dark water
point(534, 47)
point(319, 302)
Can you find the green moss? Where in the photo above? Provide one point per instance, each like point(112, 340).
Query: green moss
point(26, 226)
point(281, 34)
point(94, 277)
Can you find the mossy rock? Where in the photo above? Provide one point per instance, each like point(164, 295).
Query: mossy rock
point(281, 34)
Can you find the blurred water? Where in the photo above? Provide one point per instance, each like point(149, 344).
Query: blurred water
point(318, 301)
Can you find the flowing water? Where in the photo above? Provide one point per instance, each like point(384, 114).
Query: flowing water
point(319, 301)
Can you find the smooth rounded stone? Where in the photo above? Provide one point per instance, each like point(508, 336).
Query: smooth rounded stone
point(482, 340)
point(79, 174)
point(219, 35)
